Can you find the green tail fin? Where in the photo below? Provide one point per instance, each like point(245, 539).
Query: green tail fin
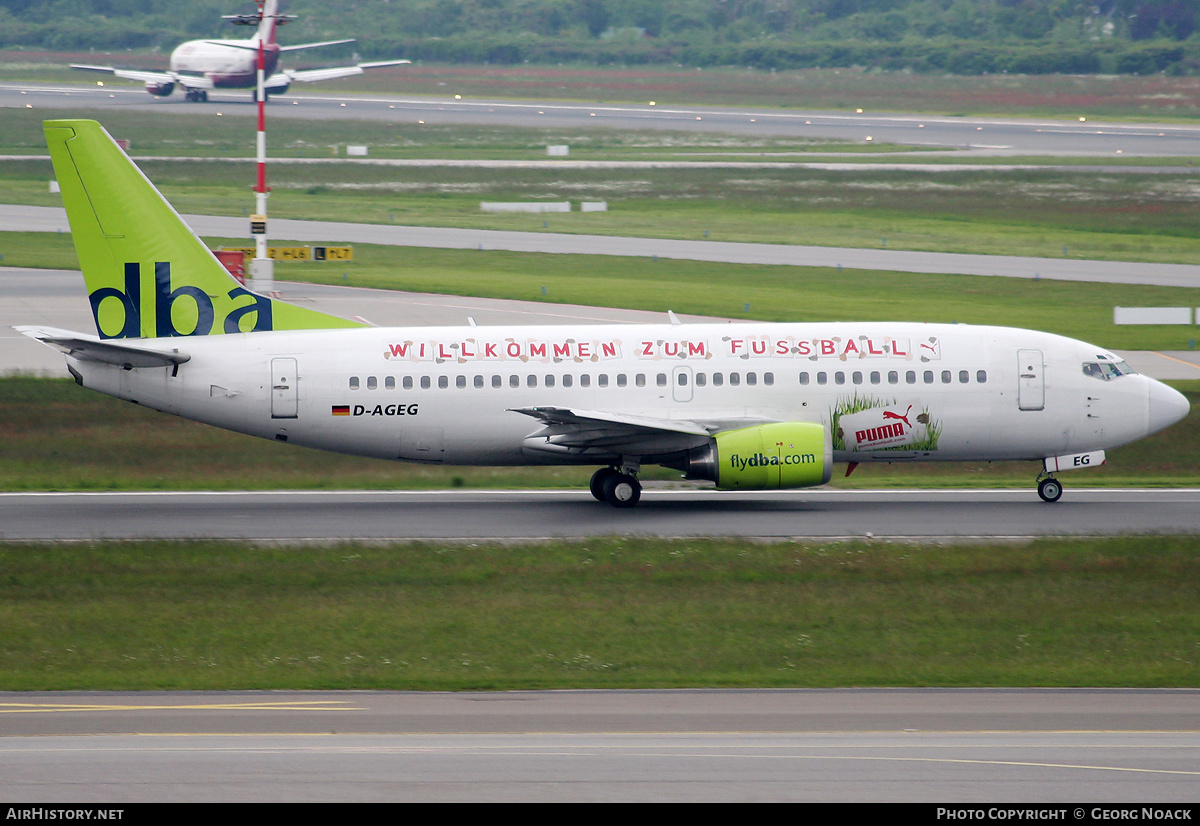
point(147, 273)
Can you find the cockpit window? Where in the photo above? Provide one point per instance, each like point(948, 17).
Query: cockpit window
point(1107, 370)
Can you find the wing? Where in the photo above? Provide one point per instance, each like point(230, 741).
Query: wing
point(590, 432)
point(312, 75)
point(91, 348)
point(313, 45)
point(187, 81)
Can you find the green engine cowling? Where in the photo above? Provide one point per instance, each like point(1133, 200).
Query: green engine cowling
point(764, 457)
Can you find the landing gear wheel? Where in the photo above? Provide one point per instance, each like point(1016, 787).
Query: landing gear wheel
point(622, 490)
point(596, 486)
point(1050, 490)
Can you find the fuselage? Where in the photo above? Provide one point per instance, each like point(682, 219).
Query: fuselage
point(228, 64)
point(885, 391)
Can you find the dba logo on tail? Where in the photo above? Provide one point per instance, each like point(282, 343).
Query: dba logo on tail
point(183, 311)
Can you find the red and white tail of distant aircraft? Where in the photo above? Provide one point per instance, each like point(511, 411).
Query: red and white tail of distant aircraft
point(201, 65)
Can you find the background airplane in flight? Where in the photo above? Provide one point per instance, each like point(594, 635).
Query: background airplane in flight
point(752, 406)
point(201, 65)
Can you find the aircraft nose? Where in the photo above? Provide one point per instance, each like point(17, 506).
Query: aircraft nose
point(1164, 406)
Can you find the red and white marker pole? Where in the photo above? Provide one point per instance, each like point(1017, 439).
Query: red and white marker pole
point(262, 269)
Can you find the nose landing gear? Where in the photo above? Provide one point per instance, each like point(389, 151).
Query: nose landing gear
point(1049, 488)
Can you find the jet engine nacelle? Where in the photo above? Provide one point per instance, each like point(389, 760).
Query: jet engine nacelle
point(763, 457)
point(160, 89)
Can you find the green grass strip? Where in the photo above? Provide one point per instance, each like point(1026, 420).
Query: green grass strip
point(605, 613)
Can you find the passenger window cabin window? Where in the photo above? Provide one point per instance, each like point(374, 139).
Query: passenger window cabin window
point(910, 377)
point(567, 380)
point(718, 379)
point(682, 378)
point(531, 380)
point(804, 378)
point(585, 380)
point(443, 382)
point(640, 379)
point(752, 379)
point(408, 383)
point(893, 377)
point(550, 381)
point(875, 377)
point(372, 383)
point(425, 382)
point(839, 377)
point(928, 377)
point(602, 380)
point(701, 379)
point(354, 382)
point(390, 383)
point(964, 376)
point(735, 379)
point(945, 377)
point(497, 381)
point(622, 381)
point(768, 379)
point(981, 377)
point(479, 381)
point(514, 380)
point(822, 378)
point(856, 377)
point(460, 382)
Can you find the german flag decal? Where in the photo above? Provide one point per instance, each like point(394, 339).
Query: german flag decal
point(341, 410)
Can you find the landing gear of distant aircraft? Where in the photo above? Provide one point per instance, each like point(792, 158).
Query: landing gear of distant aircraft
point(1050, 489)
point(197, 95)
point(621, 490)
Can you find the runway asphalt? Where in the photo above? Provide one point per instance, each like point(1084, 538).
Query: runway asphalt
point(1070, 135)
point(1001, 749)
point(666, 510)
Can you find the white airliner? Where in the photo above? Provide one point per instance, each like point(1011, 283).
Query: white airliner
point(748, 406)
point(201, 65)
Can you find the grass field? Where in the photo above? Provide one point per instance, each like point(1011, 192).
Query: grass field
point(605, 613)
point(1110, 215)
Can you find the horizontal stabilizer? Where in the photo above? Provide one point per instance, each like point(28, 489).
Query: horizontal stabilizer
point(91, 348)
point(252, 45)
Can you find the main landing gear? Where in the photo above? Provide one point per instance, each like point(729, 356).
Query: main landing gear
point(616, 487)
point(196, 95)
point(1049, 488)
